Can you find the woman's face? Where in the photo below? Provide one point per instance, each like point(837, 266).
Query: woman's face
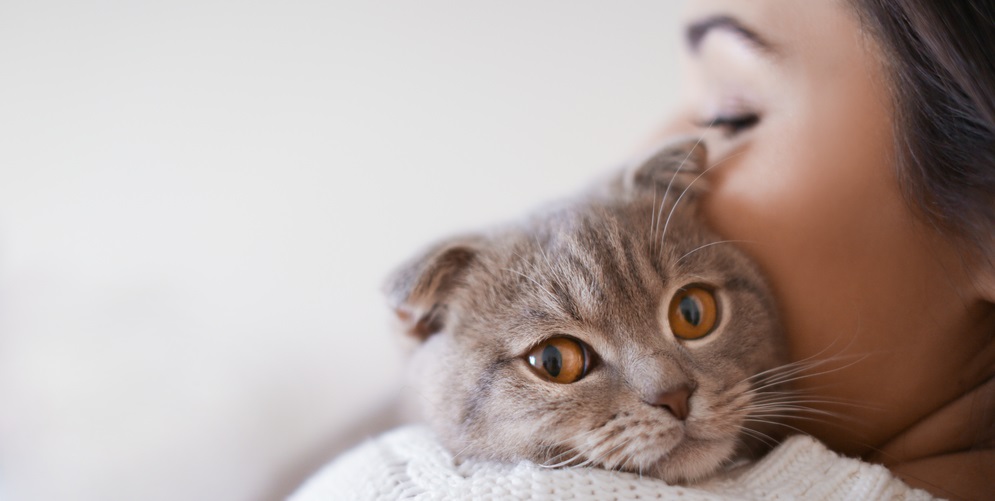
point(801, 151)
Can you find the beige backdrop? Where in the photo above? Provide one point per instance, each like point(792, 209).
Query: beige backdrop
point(200, 198)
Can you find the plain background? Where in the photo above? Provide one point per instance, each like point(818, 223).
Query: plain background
point(199, 200)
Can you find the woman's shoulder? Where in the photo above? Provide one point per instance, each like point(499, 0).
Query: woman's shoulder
point(801, 467)
point(409, 462)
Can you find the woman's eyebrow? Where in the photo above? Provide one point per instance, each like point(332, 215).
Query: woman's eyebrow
point(696, 31)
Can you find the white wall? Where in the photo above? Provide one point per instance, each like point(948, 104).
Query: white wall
point(200, 198)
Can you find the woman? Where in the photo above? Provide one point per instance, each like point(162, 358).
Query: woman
point(855, 148)
point(853, 152)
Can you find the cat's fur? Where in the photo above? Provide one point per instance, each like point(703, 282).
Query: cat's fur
point(602, 269)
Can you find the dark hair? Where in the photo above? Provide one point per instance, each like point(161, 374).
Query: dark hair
point(941, 56)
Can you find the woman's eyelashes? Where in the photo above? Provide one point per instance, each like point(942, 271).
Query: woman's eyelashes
point(732, 123)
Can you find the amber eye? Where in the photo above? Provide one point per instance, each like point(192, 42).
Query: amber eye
point(693, 313)
point(560, 359)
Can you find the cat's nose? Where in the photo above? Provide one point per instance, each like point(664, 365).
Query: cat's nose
point(675, 400)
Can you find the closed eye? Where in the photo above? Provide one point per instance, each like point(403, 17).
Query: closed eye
point(731, 124)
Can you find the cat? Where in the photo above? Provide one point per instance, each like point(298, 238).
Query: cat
point(614, 330)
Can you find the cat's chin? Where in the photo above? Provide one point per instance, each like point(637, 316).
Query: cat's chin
point(692, 460)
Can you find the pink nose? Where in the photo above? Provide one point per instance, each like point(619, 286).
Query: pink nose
point(675, 401)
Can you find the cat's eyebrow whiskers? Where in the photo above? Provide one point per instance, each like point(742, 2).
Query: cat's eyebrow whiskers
point(666, 224)
point(670, 184)
point(653, 223)
point(711, 244)
point(545, 258)
point(554, 301)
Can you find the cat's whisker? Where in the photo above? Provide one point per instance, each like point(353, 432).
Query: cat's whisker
point(590, 459)
point(776, 374)
point(759, 435)
point(787, 372)
point(790, 410)
point(776, 423)
point(839, 421)
point(775, 371)
point(666, 224)
point(577, 454)
point(774, 393)
point(552, 297)
point(785, 405)
point(803, 364)
point(780, 417)
point(545, 258)
point(572, 462)
point(591, 452)
point(457, 455)
point(832, 401)
point(652, 231)
point(562, 463)
point(798, 405)
point(799, 398)
point(797, 377)
point(711, 244)
point(657, 243)
point(569, 449)
point(670, 184)
point(794, 409)
point(812, 412)
point(623, 463)
point(631, 465)
point(786, 369)
point(603, 456)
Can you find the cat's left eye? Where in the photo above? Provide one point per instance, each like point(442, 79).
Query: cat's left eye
point(693, 313)
point(560, 359)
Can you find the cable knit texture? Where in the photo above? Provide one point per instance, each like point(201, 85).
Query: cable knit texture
point(408, 463)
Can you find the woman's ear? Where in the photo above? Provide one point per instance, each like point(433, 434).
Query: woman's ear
point(985, 276)
point(420, 289)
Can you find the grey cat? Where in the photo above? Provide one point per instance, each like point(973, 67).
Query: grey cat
point(612, 331)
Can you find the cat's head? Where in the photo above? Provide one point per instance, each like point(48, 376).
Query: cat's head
point(614, 331)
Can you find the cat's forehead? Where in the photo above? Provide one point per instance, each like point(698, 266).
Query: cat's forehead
point(590, 271)
point(620, 242)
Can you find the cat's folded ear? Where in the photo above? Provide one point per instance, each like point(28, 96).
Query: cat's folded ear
point(420, 289)
point(675, 167)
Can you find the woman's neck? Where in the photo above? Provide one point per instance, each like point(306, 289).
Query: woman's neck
point(951, 452)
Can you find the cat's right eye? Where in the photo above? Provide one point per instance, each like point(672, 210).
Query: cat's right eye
point(560, 359)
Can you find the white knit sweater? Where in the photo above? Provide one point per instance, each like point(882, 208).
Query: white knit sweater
point(408, 463)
